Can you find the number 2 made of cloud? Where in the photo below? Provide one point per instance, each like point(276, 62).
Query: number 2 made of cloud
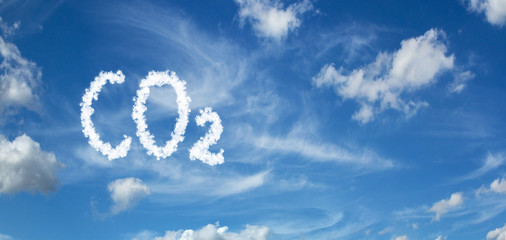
point(200, 149)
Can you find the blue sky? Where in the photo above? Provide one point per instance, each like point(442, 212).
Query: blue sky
point(337, 119)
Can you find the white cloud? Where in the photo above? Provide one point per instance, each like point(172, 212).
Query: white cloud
point(215, 232)
point(318, 151)
point(9, 30)
point(385, 231)
point(440, 237)
point(198, 183)
point(446, 205)
point(497, 234)
point(460, 81)
point(497, 186)
point(183, 102)
point(403, 237)
point(491, 162)
point(201, 148)
point(126, 192)
point(212, 66)
point(495, 10)
point(87, 110)
point(385, 83)
point(414, 226)
point(19, 79)
point(25, 167)
point(269, 19)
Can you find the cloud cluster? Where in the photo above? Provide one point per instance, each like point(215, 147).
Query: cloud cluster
point(446, 205)
point(497, 234)
point(269, 19)
point(183, 108)
point(19, 79)
point(25, 167)
point(213, 231)
point(495, 10)
point(200, 149)
point(87, 110)
point(126, 192)
point(381, 85)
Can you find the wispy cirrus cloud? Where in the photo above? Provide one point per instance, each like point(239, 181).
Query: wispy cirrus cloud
point(211, 65)
point(490, 162)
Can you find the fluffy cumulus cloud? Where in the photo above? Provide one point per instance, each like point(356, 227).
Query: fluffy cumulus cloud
point(385, 83)
point(497, 186)
point(201, 148)
point(87, 110)
point(25, 167)
point(497, 234)
point(447, 205)
point(126, 193)
point(19, 79)
point(494, 10)
point(215, 232)
point(270, 19)
point(183, 108)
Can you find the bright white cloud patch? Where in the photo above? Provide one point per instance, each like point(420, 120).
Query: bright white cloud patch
point(214, 232)
point(25, 167)
point(494, 10)
point(497, 234)
point(385, 83)
point(19, 79)
point(440, 238)
point(183, 102)
point(447, 205)
point(269, 19)
point(403, 237)
point(497, 186)
point(87, 110)
point(125, 193)
point(201, 148)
